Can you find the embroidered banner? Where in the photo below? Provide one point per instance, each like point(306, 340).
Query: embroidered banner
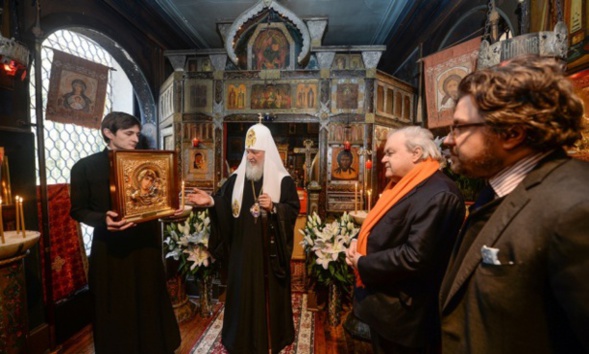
point(443, 72)
point(69, 264)
point(77, 91)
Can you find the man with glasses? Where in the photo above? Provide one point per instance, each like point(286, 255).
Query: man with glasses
point(517, 279)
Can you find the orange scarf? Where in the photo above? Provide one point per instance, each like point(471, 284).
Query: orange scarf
point(390, 196)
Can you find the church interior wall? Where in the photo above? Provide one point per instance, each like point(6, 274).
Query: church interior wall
point(352, 102)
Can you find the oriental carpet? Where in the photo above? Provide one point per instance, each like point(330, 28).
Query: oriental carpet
point(304, 322)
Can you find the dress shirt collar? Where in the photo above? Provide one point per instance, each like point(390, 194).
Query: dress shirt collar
point(505, 181)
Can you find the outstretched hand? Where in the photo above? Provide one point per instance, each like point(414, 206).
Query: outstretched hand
point(120, 225)
point(199, 198)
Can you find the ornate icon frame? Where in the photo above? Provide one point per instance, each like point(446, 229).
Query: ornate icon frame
point(129, 198)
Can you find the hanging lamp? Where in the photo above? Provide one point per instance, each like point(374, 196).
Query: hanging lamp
point(545, 43)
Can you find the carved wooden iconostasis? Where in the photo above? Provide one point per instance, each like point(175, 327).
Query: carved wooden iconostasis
point(328, 108)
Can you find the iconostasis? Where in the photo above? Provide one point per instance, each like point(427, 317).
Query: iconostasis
point(328, 107)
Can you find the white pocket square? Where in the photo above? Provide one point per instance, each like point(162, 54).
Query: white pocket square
point(490, 255)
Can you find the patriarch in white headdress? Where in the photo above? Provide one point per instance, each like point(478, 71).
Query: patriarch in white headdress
point(259, 138)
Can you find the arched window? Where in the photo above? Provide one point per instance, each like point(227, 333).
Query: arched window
point(65, 144)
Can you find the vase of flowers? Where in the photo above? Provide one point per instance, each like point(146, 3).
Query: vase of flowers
point(325, 246)
point(188, 243)
point(334, 305)
point(205, 292)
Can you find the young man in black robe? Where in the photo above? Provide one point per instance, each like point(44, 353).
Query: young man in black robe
point(260, 184)
point(132, 308)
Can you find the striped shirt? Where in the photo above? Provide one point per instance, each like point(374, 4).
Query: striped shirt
point(505, 181)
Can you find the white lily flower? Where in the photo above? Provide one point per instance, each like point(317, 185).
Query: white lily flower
point(174, 254)
point(323, 259)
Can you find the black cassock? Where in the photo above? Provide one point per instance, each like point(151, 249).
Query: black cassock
point(244, 322)
point(132, 308)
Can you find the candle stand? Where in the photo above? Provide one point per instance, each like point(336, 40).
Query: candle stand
point(13, 294)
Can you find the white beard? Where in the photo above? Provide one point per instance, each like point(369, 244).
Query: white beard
point(254, 172)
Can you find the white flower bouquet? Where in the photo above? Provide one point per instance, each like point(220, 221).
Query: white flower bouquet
point(325, 245)
point(188, 243)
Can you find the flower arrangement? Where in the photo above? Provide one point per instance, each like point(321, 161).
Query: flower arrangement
point(325, 245)
point(188, 243)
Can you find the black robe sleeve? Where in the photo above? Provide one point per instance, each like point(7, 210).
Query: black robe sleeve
point(220, 213)
point(89, 190)
point(282, 227)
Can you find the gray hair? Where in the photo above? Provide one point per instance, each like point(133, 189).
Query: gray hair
point(418, 137)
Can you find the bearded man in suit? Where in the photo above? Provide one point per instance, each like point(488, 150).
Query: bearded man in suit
point(517, 279)
point(404, 245)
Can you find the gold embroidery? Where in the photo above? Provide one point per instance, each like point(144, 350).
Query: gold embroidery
point(250, 139)
point(235, 208)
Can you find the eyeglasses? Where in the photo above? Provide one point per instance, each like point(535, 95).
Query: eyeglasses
point(455, 128)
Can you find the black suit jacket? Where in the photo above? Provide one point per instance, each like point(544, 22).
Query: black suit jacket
point(407, 253)
point(537, 299)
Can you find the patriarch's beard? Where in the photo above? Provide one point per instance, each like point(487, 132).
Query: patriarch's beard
point(254, 172)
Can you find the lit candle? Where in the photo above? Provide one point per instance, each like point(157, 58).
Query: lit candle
point(1, 225)
point(356, 197)
point(17, 214)
point(22, 219)
point(182, 196)
point(369, 192)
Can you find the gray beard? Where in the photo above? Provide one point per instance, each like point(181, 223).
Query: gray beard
point(254, 172)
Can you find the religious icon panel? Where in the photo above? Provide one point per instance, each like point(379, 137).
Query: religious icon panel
point(143, 184)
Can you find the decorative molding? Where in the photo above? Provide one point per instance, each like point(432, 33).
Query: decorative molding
point(371, 58)
point(254, 11)
point(316, 30)
point(325, 59)
point(219, 61)
point(177, 61)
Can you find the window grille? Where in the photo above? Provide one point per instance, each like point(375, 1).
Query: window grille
point(65, 144)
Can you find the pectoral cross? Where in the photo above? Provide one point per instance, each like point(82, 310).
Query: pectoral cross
point(307, 150)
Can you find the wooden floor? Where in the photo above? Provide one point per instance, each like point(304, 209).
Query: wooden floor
point(328, 339)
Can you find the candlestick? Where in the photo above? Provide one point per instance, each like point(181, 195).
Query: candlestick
point(369, 192)
point(17, 214)
point(22, 219)
point(182, 197)
point(356, 197)
point(1, 225)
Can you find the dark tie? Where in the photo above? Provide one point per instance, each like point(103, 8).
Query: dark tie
point(486, 195)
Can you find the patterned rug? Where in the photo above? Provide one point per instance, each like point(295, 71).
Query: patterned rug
point(304, 322)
